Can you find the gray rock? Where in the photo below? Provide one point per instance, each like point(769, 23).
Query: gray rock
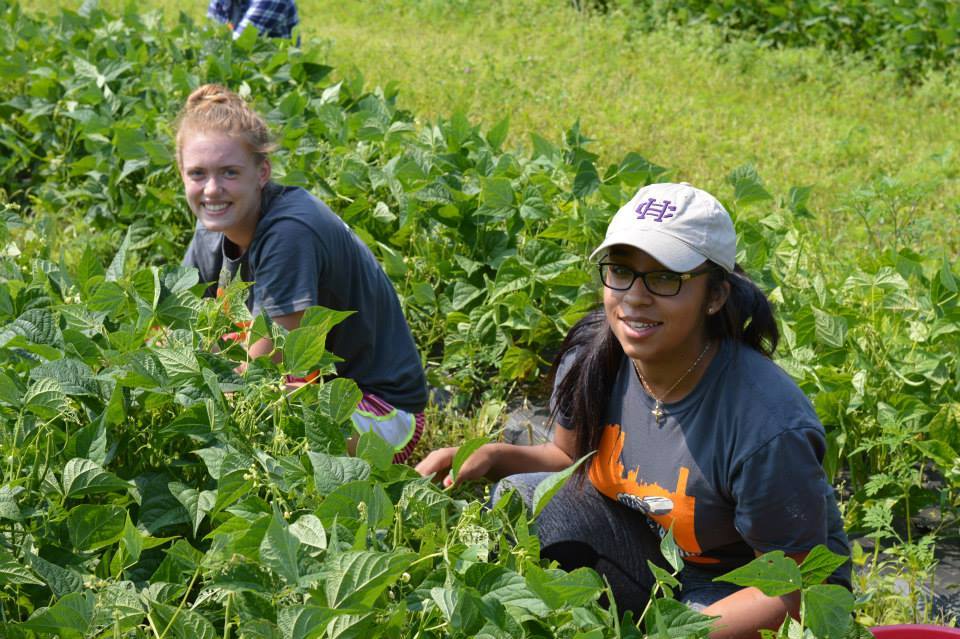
point(527, 424)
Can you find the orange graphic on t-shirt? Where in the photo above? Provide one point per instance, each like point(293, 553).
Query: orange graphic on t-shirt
point(608, 475)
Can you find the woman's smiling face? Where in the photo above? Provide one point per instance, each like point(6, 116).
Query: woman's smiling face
point(657, 332)
point(222, 180)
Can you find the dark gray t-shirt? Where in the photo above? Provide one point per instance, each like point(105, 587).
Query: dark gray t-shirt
point(303, 255)
point(736, 465)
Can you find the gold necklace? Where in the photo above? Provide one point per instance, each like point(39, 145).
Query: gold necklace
point(657, 411)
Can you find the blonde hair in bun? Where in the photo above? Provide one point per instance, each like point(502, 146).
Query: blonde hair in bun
point(213, 108)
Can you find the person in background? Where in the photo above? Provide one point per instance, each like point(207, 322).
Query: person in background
point(693, 427)
point(297, 253)
point(273, 18)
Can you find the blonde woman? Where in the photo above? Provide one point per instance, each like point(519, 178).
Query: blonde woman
point(297, 253)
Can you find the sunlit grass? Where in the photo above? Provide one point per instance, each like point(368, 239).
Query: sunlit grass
point(683, 98)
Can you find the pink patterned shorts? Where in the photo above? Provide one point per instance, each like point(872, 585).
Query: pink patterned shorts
point(400, 429)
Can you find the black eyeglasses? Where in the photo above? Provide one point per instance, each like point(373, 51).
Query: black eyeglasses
point(663, 283)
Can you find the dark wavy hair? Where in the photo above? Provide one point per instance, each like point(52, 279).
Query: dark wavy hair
point(584, 391)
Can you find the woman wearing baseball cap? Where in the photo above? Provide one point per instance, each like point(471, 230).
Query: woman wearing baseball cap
point(694, 428)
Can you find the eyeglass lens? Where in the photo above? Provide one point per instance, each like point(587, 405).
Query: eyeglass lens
point(622, 278)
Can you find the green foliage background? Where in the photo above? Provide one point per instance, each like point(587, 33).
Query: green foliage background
point(146, 486)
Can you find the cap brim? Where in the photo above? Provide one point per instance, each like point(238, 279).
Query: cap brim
point(666, 249)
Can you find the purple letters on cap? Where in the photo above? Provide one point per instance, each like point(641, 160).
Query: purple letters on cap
point(651, 207)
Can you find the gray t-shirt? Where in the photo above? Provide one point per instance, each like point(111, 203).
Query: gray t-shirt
point(734, 466)
point(303, 255)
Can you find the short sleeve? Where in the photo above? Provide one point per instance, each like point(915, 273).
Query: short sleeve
point(204, 253)
point(781, 493)
point(288, 269)
point(558, 405)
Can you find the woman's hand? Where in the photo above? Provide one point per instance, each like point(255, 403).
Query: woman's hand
point(439, 463)
point(497, 460)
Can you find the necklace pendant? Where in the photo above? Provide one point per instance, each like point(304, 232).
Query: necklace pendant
point(657, 412)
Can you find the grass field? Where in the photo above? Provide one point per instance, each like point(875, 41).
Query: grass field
point(682, 98)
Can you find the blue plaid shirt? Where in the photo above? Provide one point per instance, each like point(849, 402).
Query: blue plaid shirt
point(273, 18)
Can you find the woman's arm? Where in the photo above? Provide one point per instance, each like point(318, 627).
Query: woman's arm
point(495, 461)
point(746, 611)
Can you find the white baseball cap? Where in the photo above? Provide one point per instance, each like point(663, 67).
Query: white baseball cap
point(679, 225)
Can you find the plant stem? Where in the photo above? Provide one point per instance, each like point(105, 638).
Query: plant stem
point(226, 617)
point(183, 602)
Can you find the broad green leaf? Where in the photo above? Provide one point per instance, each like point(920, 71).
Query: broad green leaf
point(670, 551)
point(180, 623)
point(38, 326)
point(664, 578)
point(498, 134)
point(355, 626)
point(831, 329)
point(45, 398)
point(678, 620)
point(131, 544)
point(92, 527)
point(74, 377)
point(107, 297)
point(464, 294)
point(512, 276)
point(331, 472)
point(820, 564)
point(178, 361)
point(324, 318)
point(510, 590)
point(560, 589)
point(586, 181)
point(9, 509)
point(119, 606)
point(305, 622)
point(180, 278)
point(773, 573)
point(61, 581)
point(213, 459)
point(180, 562)
point(635, 170)
point(827, 610)
point(86, 477)
point(552, 484)
point(10, 392)
point(90, 442)
point(279, 548)
point(357, 578)
point(939, 451)
point(338, 399)
point(497, 193)
point(375, 449)
point(543, 147)
point(363, 500)
point(747, 185)
point(518, 363)
point(304, 349)
point(71, 616)
point(13, 572)
point(117, 265)
point(310, 531)
point(462, 608)
point(947, 279)
point(797, 200)
point(197, 502)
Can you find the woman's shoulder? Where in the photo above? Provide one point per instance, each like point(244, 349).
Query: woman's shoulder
point(765, 390)
point(292, 210)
